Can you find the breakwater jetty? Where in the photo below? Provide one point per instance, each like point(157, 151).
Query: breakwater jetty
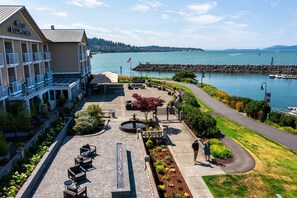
point(257, 69)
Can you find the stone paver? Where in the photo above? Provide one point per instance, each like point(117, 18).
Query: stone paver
point(183, 155)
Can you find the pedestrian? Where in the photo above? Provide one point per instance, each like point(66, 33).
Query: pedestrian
point(206, 147)
point(195, 147)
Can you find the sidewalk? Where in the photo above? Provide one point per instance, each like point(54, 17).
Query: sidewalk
point(183, 154)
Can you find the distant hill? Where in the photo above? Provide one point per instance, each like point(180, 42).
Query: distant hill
point(104, 46)
point(281, 48)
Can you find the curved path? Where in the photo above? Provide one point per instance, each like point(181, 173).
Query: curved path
point(286, 139)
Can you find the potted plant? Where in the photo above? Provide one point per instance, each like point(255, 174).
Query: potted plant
point(4, 148)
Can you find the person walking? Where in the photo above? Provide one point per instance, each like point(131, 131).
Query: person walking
point(206, 147)
point(195, 147)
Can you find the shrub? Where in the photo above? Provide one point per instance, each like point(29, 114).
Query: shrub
point(178, 76)
point(61, 99)
point(160, 168)
point(149, 144)
point(125, 79)
point(68, 106)
point(44, 110)
point(190, 99)
point(167, 157)
point(287, 120)
point(274, 117)
point(84, 122)
point(215, 141)
point(239, 106)
point(161, 187)
point(258, 110)
point(175, 195)
point(159, 162)
point(4, 146)
point(220, 151)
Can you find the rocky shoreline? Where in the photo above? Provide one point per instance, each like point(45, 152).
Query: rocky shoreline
point(257, 69)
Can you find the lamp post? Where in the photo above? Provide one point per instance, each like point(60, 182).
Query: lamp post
point(265, 89)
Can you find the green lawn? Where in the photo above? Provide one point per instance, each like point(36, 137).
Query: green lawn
point(275, 171)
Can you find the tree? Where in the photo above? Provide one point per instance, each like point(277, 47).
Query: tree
point(258, 110)
point(178, 76)
point(147, 105)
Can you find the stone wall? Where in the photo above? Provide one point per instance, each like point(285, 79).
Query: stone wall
point(260, 69)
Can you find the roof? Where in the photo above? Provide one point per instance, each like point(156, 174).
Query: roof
point(105, 78)
point(64, 35)
point(7, 11)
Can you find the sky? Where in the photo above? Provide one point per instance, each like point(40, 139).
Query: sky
point(220, 24)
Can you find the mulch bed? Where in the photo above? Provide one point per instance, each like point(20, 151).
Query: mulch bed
point(171, 177)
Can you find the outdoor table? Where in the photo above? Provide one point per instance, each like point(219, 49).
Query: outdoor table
point(68, 183)
point(85, 153)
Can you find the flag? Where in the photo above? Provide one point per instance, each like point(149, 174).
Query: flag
point(129, 60)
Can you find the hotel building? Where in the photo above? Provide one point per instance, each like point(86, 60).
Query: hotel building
point(39, 63)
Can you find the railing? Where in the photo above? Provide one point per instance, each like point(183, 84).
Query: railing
point(83, 72)
point(1, 60)
point(27, 57)
point(16, 87)
point(37, 56)
point(47, 55)
point(152, 134)
point(89, 69)
point(108, 113)
point(12, 58)
point(3, 91)
point(30, 82)
point(49, 75)
point(39, 79)
point(83, 56)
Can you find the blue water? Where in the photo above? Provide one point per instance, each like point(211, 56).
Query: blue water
point(283, 91)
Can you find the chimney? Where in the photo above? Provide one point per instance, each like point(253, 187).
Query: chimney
point(52, 27)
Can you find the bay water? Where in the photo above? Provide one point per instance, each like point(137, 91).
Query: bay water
point(283, 91)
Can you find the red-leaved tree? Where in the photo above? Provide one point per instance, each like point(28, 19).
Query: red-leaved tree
point(147, 105)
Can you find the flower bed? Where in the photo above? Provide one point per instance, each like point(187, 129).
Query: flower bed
point(169, 180)
point(11, 184)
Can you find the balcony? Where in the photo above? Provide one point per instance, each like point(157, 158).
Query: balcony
point(3, 91)
point(16, 87)
point(83, 56)
point(12, 59)
point(47, 56)
point(37, 56)
point(49, 75)
point(27, 57)
point(39, 79)
point(30, 82)
point(1, 60)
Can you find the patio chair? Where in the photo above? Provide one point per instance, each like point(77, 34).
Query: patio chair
point(77, 173)
point(89, 148)
point(75, 192)
point(83, 161)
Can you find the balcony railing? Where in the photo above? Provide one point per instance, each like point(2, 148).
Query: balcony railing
point(49, 75)
point(16, 87)
point(1, 60)
point(84, 71)
point(39, 79)
point(83, 56)
point(47, 55)
point(12, 58)
point(37, 56)
point(89, 69)
point(3, 91)
point(27, 57)
point(30, 82)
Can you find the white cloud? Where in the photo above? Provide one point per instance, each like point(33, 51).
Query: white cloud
point(239, 14)
point(181, 13)
point(164, 16)
point(41, 8)
point(87, 3)
point(144, 6)
point(233, 25)
point(204, 19)
point(60, 14)
point(202, 8)
point(140, 8)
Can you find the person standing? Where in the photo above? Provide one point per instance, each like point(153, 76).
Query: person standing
point(195, 147)
point(206, 147)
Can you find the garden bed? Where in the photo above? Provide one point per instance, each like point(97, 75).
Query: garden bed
point(169, 180)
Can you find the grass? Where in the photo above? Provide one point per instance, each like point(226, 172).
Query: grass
point(203, 107)
point(286, 129)
point(275, 171)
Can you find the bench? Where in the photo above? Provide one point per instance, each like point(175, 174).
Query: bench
point(121, 182)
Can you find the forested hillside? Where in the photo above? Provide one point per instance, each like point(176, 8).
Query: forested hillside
point(104, 46)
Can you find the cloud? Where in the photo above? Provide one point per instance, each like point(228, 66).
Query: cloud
point(60, 14)
point(145, 6)
point(233, 25)
point(239, 14)
point(202, 8)
point(42, 8)
point(164, 16)
point(140, 8)
point(204, 19)
point(87, 3)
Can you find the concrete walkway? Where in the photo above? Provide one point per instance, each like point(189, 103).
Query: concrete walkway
point(286, 139)
point(181, 150)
